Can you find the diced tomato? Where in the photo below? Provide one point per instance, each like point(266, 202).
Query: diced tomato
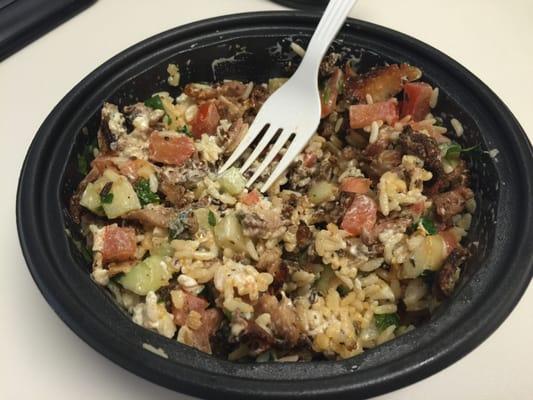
point(119, 244)
point(361, 215)
point(250, 198)
point(362, 115)
point(192, 303)
point(211, 320)
point(331, 92)
point(416, 98)
point(205, 121)
point(173, 150)
point(450, 240)
point(356, 185)
point(309, 159)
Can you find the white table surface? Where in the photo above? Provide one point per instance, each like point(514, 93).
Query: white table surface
point(40, 356)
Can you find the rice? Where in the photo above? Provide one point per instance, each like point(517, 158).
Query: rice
point(315, 267)
point(298, 49)
point(457, 127)
point(374, 132)
point(434, 98)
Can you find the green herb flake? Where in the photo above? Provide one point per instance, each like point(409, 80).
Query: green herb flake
point(471, 148)
point(85, 157)
point(154, 102)
point(106, 197)
point(452, 152)
point(184, 129)
point(145, 195)
point(428, 226)
point(211, 218)
point(83, 164)
point(383, 321)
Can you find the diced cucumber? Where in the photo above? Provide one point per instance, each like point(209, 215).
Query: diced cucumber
point(321, 191)
point(232, 181)
point(148, 275)
point(228, 233)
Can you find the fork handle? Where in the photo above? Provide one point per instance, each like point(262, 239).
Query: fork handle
point(331, 22)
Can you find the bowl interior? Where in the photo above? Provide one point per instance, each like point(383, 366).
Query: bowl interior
point(256, 47)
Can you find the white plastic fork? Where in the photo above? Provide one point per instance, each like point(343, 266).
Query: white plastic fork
point(293, 109)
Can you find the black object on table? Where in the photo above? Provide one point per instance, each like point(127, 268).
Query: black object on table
point(23, 21)
point(312, 5)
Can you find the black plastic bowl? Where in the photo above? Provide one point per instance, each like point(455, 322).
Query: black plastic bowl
point(252, 47)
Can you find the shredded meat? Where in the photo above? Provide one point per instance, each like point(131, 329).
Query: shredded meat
point(423, 147)
point(328, 64)
point(235, 134)
point(283, 316)
point(449, 274)
point(260, 224)
point(270, 261)
point(397, 224)
point(381, 83)
point(384, 161)
point(229, 109)
point(176, 194)
point(257, 339)
point(458, 177)
point(153, 216)
point(339, 208)
point(110, 128)
point(451, 203)
point(304, 236)
point(258, 97)
point(254, 226)
point(154, 117)
point(205, 92)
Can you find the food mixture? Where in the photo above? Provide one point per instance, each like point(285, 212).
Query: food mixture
point(358, 242)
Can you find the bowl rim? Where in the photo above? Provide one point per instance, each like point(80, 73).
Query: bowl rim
point(202, 383)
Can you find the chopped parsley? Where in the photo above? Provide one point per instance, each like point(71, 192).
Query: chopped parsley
point(428, 226)
point(452, 152)
point(211, 218)
point(83, 164)
point(106, 197)
point(85, 157)
point(154, 102)
point(144, 193)
point(184, 129)
point(383, 321)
